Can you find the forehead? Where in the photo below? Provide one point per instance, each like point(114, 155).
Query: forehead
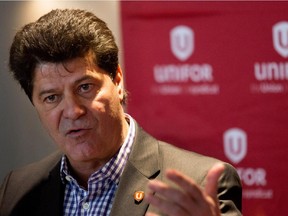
point(62, 69)
point(66, 69)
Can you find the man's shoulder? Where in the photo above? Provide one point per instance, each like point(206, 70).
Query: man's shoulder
point(31, 174)
point(191, 163)
point(169, 155)
point(19, 181)
point(39, 167)
point(170, 150)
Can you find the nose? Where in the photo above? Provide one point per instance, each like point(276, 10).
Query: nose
point(73, 108)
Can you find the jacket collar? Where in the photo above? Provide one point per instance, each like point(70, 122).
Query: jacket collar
point(141, 166)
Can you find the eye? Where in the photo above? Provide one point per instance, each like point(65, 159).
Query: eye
point(51, 98)
point(85, 88)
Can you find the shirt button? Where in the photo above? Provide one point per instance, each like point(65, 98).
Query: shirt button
point(85, 206)
point(68, 178)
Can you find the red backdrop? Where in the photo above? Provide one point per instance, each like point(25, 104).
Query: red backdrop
point(212, 77)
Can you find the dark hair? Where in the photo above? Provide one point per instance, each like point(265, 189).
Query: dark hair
point(58, 36)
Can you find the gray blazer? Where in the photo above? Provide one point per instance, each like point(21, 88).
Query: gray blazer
point(37, 188)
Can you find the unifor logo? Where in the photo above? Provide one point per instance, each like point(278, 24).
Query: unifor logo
point(280, 38)
point(182, 42)
point(235, 144)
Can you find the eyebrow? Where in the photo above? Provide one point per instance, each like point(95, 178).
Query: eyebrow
point(45, 92)
point(76, 82)
point(86, 77)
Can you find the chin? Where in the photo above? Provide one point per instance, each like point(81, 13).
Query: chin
point(84, 155)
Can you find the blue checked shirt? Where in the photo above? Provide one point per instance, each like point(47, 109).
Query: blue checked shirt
point(102, 185)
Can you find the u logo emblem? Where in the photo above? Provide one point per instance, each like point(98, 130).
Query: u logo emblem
point(139, 196)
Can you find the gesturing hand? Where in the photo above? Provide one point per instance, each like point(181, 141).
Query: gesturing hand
point(189, 198)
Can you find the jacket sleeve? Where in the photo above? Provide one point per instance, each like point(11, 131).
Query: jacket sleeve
point(230, 192)
point(3, 188)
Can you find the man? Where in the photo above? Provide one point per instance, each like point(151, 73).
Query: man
point(67, 64)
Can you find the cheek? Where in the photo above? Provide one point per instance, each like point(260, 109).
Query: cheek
point(105, 101)
point(50, 121)
point(106, 108)
point(113, 106)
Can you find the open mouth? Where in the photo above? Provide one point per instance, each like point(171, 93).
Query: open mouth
point(76, 133)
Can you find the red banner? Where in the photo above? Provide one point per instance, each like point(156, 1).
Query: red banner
point(212, 77)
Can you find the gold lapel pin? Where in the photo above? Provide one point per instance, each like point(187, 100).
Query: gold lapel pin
point(138, 196)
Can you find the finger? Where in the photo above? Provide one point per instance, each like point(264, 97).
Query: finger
point(165, 206)
point(151, 214)
point(212, 180)
point(169, 193)
point(187, 184)
point(188, 195)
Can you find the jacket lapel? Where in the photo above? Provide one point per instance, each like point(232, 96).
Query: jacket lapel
point(141, 166)
point(43, 193)
point(52, 195)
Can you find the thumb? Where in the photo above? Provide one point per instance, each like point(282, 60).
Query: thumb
point(212, 179)
point(150, 214)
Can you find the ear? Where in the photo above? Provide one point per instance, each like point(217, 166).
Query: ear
point(119, 83)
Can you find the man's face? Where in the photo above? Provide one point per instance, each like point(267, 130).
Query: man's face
point(79, 105)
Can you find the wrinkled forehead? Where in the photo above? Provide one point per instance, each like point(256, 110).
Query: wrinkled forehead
point(64, 68)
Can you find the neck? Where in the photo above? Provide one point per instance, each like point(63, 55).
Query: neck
point(82, 171)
